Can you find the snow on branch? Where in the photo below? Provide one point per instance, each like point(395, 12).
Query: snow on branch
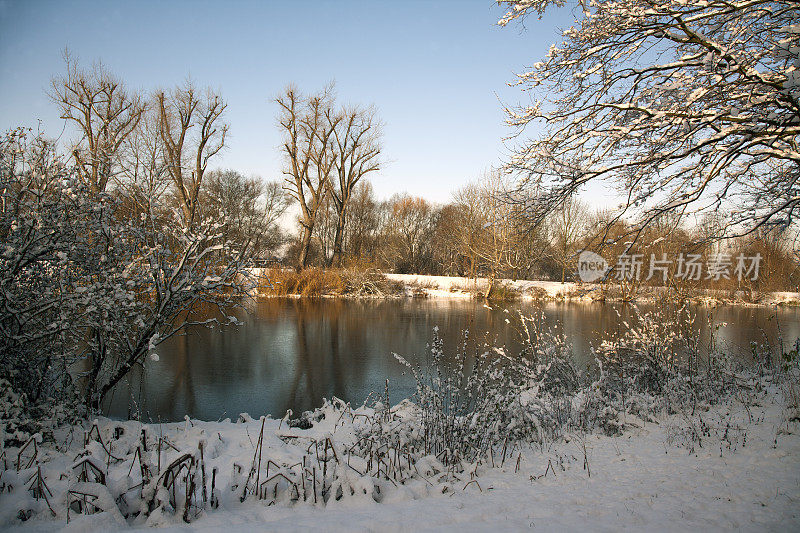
point(683, 105)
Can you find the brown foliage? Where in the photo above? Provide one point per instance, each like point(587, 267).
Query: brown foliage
point(317, 282)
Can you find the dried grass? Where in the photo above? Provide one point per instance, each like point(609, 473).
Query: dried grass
point(318, 282)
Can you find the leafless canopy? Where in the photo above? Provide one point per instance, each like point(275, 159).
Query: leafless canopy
point(356, 153)
point(105, 114)
point(327, 151)
point(193, 131)
point(307, 124)
point(686, 106)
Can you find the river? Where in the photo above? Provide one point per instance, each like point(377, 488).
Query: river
point(292, 353)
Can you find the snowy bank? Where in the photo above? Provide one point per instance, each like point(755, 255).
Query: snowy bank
point(734, 465)
point(647, 440)
point(375, 284)
point(461, 287)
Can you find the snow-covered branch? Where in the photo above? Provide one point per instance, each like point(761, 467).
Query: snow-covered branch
point(681, 104)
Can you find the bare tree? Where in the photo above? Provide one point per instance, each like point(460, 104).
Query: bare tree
point(487, 232)
point(144, 180)
point(192, 131)
point(362, 222)
point(448, 253)
point(356, 151)
point(325, 230)
point(470, 226)
point(410, 222)
point(307, 124)
point(275, 202)
point(246, 210)
point(499, 237)
point(686, 106)
point(105, 114)
point(568, 223)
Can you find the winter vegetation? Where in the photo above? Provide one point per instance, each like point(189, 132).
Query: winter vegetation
point(123, 236)
point(478, 423)
point(481, 235)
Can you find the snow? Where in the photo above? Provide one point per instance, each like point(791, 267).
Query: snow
point(461, 287)
point(652, 477)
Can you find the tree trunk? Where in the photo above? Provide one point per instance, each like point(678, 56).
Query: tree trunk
point(95, 358)
point(490, 288)
point(305, 246)
point(336, 258)
point(136, 356)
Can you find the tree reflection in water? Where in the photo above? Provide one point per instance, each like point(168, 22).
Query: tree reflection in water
point(290, 354)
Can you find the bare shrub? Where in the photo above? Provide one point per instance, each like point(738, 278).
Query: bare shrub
point(502, 292)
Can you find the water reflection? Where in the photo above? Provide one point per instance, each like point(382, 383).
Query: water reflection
point(289, 354)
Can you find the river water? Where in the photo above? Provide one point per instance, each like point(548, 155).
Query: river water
point(291, 353)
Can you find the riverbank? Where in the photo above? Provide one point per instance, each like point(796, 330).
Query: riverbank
point(733, 465)
point(414, 285)
point(459, 287)
point(370, 284)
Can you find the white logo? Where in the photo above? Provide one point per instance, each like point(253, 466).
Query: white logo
point(591, 266)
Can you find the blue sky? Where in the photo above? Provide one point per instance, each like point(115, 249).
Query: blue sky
point(437, 71)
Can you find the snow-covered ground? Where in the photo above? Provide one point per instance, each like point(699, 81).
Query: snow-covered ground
point(460, 287)
point(743, 474)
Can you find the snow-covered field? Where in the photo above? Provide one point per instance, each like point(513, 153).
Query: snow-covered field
point(743, 473)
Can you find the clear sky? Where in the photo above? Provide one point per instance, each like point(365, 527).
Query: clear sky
point(437, 71)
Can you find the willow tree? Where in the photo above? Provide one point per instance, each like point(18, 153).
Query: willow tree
point(686, 106)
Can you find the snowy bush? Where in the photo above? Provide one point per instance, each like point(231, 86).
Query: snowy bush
point(548, 354)
point(15, 426)
point(87, 287)
point(464, 407)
